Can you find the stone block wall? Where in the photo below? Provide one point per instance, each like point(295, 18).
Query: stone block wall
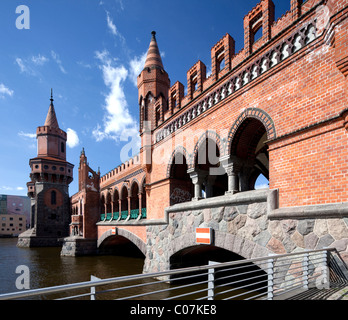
point(242, 225)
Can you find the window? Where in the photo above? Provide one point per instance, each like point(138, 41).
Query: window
point(220, 61)
point(258, 34)
point(158, 116)
point(173, 98)
point(194, 83)
point(53, 197)
point(62, 147)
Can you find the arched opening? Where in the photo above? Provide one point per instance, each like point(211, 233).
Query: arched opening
point(120, 246)
point(200, 255)
point(108, 206)
point(181, 187)
point(134, 201)
point(102, 208)
point(207, 163)
point(248, 146)
point(124, 203)
point(143, 200)
point(116, 208)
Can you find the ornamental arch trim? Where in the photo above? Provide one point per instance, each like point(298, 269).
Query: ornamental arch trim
point(126, 234)
point(254, 113)
point(247, 248)
point(179, 149)
point(210, 134)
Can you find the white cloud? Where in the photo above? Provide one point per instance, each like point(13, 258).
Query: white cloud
point(118, 123)
point(6, 188)
point(27, 135)
point(84, 65)
point(23, 67)
point(136, 65)
point(56, 58)
point(20, 188)
point(31, 137)
point(111, 24)
point(72, 138)
point(39, 60)
point(29, 65)
point(5, 91)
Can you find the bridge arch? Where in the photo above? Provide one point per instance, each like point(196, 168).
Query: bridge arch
point(251, 113)
point(233, 245)
point(206, 136)
point(206, 163)
point(112, 238)
point(248, 148)
point(187, 253)
point(181, 187)
point(180, 150)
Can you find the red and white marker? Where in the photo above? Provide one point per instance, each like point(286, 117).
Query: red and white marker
point(204, 235)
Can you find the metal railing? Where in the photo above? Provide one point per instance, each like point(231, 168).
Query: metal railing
point(267, 278)
point(134, 214)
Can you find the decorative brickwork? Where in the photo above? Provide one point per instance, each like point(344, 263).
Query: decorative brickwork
point(277, 108)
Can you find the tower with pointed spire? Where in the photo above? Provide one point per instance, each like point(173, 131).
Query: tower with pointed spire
point(153, 86)
point(48, 189)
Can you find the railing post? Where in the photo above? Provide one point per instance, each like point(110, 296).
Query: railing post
point(270, 277)
point(305, 266)
point(93, 278)
point(325, 274)
point(211, 281)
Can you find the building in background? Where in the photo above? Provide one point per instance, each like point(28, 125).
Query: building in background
point(48, 189)
point(14, 215)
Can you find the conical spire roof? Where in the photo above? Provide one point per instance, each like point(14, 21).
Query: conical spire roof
point(153, 58)
point(51, 119)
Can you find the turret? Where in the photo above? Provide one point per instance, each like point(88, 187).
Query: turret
point(153, 86)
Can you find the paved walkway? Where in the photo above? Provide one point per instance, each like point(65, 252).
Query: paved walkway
point(340, 295)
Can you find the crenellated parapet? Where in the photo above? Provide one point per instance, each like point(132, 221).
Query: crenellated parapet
point(280, 42)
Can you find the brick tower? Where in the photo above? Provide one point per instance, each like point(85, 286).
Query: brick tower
point(48, 189)
point(153, 86)
point(85, 213)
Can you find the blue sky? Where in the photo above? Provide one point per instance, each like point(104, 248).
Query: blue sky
point(90, 52)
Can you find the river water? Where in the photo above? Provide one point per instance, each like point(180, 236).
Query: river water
point(47, 268)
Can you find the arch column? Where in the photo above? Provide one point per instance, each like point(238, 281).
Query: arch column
point(129, 207)
point(140, 203)
point(119, 209)
point(198, 178)
point(232, 167)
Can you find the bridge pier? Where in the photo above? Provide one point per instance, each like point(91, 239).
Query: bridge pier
point(75, 246)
